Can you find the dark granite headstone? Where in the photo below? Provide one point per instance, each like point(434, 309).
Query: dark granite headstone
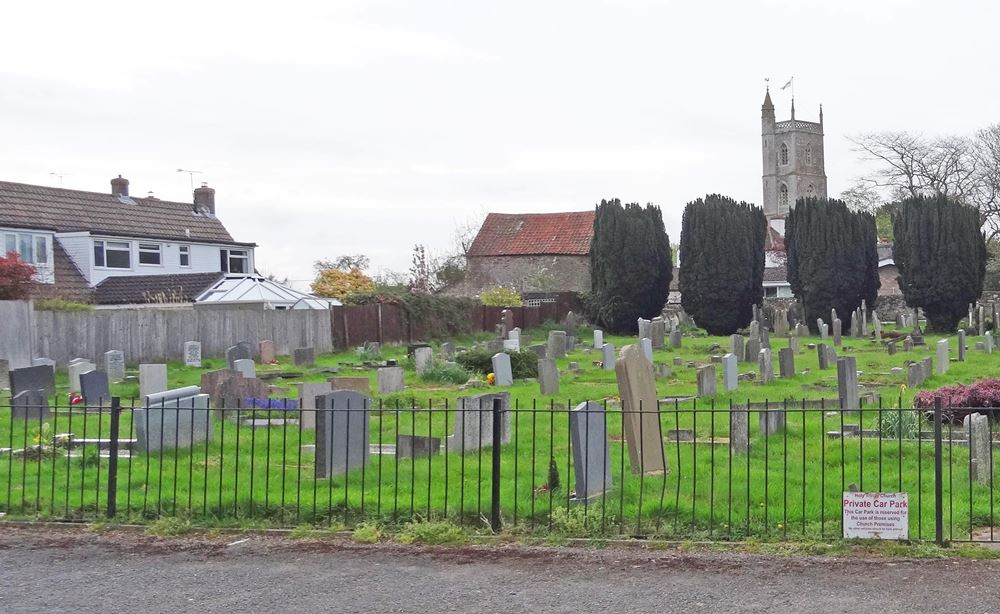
point(94, 388)
point(239, 351)
point(304, 357)
point(41, 377)
point(30, 405)
point(417, 446)
point(341, 432)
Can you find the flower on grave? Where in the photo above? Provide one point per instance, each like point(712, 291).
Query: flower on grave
point(491, 378)
point(75, 399)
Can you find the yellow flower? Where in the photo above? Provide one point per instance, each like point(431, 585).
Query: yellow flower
point(491, 378)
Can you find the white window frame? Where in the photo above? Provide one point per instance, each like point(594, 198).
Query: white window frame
point(33, 239)
point(184, 251)
point(244, 256)
point(104, 253)
point(150, 248)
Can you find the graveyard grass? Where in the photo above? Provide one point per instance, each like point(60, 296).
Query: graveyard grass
point(789, 484)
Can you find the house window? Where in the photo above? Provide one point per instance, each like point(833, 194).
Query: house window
point(30, 248)
point(783, 154)
point(771, 291)
point(185, 255)
point(235, 261)
point(113, 254)
point(149, 253)
point(783, 196)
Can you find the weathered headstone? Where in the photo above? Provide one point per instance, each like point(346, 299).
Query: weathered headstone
point(890, 348)
point(914, 375)
point(303, 357)
point(512, 345)
point(265, 349)
point(988, 342)
point(389, 379)
point(192, 354)
point(556, 347)
point(172, 419)
point(307, 393)
point(417, 446)
point(152, 379)
point(657, 331)
point(908, 344)
point(942, 356)
point(977, 427)
point(739, 431)
point(706, 381)
point(237, 352)
point(357, 384)
point(114, 365)
point(927, 364)
point(245, 367)
point(786, 362)
point(341, 432)
point(765, 336)
point(794, 344)
point(771, 421)
point(847, 383)
point(539, 349)
point(474, 423)
point(961, 346)
point(754, 331)
point(637, 389)
point(40, 377)
point(647, 349)
point(801, 330)
point(751, 351)
point(821, 327)
point(75, 369)
point(591, 456)
point(736, 346)
point(663, 370)
point(765, 364)
point(30, 405)
point(608, 356)
point(598, 338)
point(448, 350)
point(43, 362)
point(4, 374)
point(675, 338)
point(501, 369)
point(94, 388)
point(548, 377)
point(878, 326)
point(730, 374)
point(837, 333)
point(423, 359)
point(644, 328)
point(507, 319)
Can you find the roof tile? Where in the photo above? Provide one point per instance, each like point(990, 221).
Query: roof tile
point(523, 234)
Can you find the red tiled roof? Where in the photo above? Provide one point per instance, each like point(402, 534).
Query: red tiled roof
point(524, 234)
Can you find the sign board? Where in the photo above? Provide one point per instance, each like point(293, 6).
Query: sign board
point(876, 515)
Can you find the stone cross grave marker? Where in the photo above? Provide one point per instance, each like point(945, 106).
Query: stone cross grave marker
point(341, 432)
point(591, 456)
point(637, 389)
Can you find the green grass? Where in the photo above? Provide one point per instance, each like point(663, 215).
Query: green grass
point(788, 486)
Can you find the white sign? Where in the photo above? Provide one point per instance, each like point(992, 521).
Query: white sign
point(876, 515)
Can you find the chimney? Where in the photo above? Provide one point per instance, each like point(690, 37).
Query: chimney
point(119, 186)
point(204, 199)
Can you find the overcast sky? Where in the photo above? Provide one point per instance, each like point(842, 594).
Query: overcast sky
point(365, 127)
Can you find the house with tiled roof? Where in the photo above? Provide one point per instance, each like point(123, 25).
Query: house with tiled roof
point(117, 249)
point(532, 253)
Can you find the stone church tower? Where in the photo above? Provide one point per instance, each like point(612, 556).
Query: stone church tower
point(793, 159)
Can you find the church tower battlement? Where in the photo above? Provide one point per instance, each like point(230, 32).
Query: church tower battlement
point(793, 159)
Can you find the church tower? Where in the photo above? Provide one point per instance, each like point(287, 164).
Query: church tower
point(793, 159)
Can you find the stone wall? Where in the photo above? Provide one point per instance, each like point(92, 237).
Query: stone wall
point(525, 274)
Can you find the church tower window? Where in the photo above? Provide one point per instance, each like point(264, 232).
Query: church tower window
point(783, 154)
point(809, 154)
point(783, 196)
point(811, 190)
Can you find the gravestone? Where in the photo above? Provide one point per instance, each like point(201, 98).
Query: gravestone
point(94, 388)
point(341, 432)
point(448, 350)
point(474, 423)
point(192, 354)
point(357, 384)
point(878, 326)
point(238, 352)
point(837, 333)
point(786, 362)
point(389, 379)
point(538, 349)
point(908, 344)
point(780, 322)
point(751, 351)
point(706, 381)
point(988, 342)
point(307, 393)
point(556, 347)
point(423, 359)
point(152, 379)
point(637, 389)
point(507, 319)
point(494, 345)
point(591, 456)
point(114, 365)
point(927, 364)
point(30, 405)
point(821, 353)
point(265, 349)
point(303, 357)
point(548, 377)
point(942, 356)
point(914, 375)
point(417, 446)
point(608, 356)
point(172, 419)
point(372, 347)
point(657, 330)
point(739, 431)
point(513, 345)
point(675, 338)
point(794, 345)
point(821, 327)
point(211, 384)
point(961, 346)
point(644, 328)
point(801, 330)
point(570, 343)
point(245, 367)
point(598, 338)
point(847, 383)
point(43, 362)
point(771, 421)
point(647, 348)
point(41, 377)
point(765, 364)
point(754, 331)
point(663, 370)
point(501, 369)
point(890, 347)
point(4, 374)
point(736, 346)
point(833, 315)
point(514, 334)
point(977, 428)
point(75, 369)
point(730, 375)
point(765, 336)
point(900, 321)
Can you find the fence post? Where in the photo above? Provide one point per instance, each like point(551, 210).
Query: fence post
point(116, 412)
point(497, 438)
point(938, 476)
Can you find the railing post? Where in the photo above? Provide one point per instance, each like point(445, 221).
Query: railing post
point(497, 438)
point(116, 412)
point(938, 476)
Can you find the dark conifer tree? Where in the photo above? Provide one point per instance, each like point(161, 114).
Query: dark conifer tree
point(630, 265)
point(722, 262)
point(940, 251)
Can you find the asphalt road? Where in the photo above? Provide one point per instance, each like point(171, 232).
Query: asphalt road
point(55, 570)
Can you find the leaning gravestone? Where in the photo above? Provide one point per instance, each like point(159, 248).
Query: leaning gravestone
point(192, 354)
point(548, 377)
point(43, 362)
point(423, 359)
point(786, 362)
point(736, 346)
point(556, 347)
point(730, 376)
point(706, 381)
point(591, 457)
point(942, 356)
point(152, 379)
point(765, 364)
point(172, 419)
point(637, 389)
point(94, 388)
point(41, 377)
point(4, 374)
point(236, 352)
point(474, 423)
point(265, 349)
point(307, 393)
point(389, 379)
point(75, 369)
point(608, 356)
point(341, 432)
point(245, 367)
point(303, 357)
point(501, 369)
point(847, 383)
point(114, 365)
point(30, 405)
point(739, 431)
point(977, 427)
point(823, 355)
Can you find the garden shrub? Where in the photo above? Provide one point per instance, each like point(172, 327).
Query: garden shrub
point(499, 296)
point(961, 400)
point(523, 364)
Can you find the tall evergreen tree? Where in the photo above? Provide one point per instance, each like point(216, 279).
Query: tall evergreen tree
point(940, 251)
point(832, 258)
point(630, 265)
point(722, 262)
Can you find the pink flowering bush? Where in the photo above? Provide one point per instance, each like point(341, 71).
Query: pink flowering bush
point(963, 399)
